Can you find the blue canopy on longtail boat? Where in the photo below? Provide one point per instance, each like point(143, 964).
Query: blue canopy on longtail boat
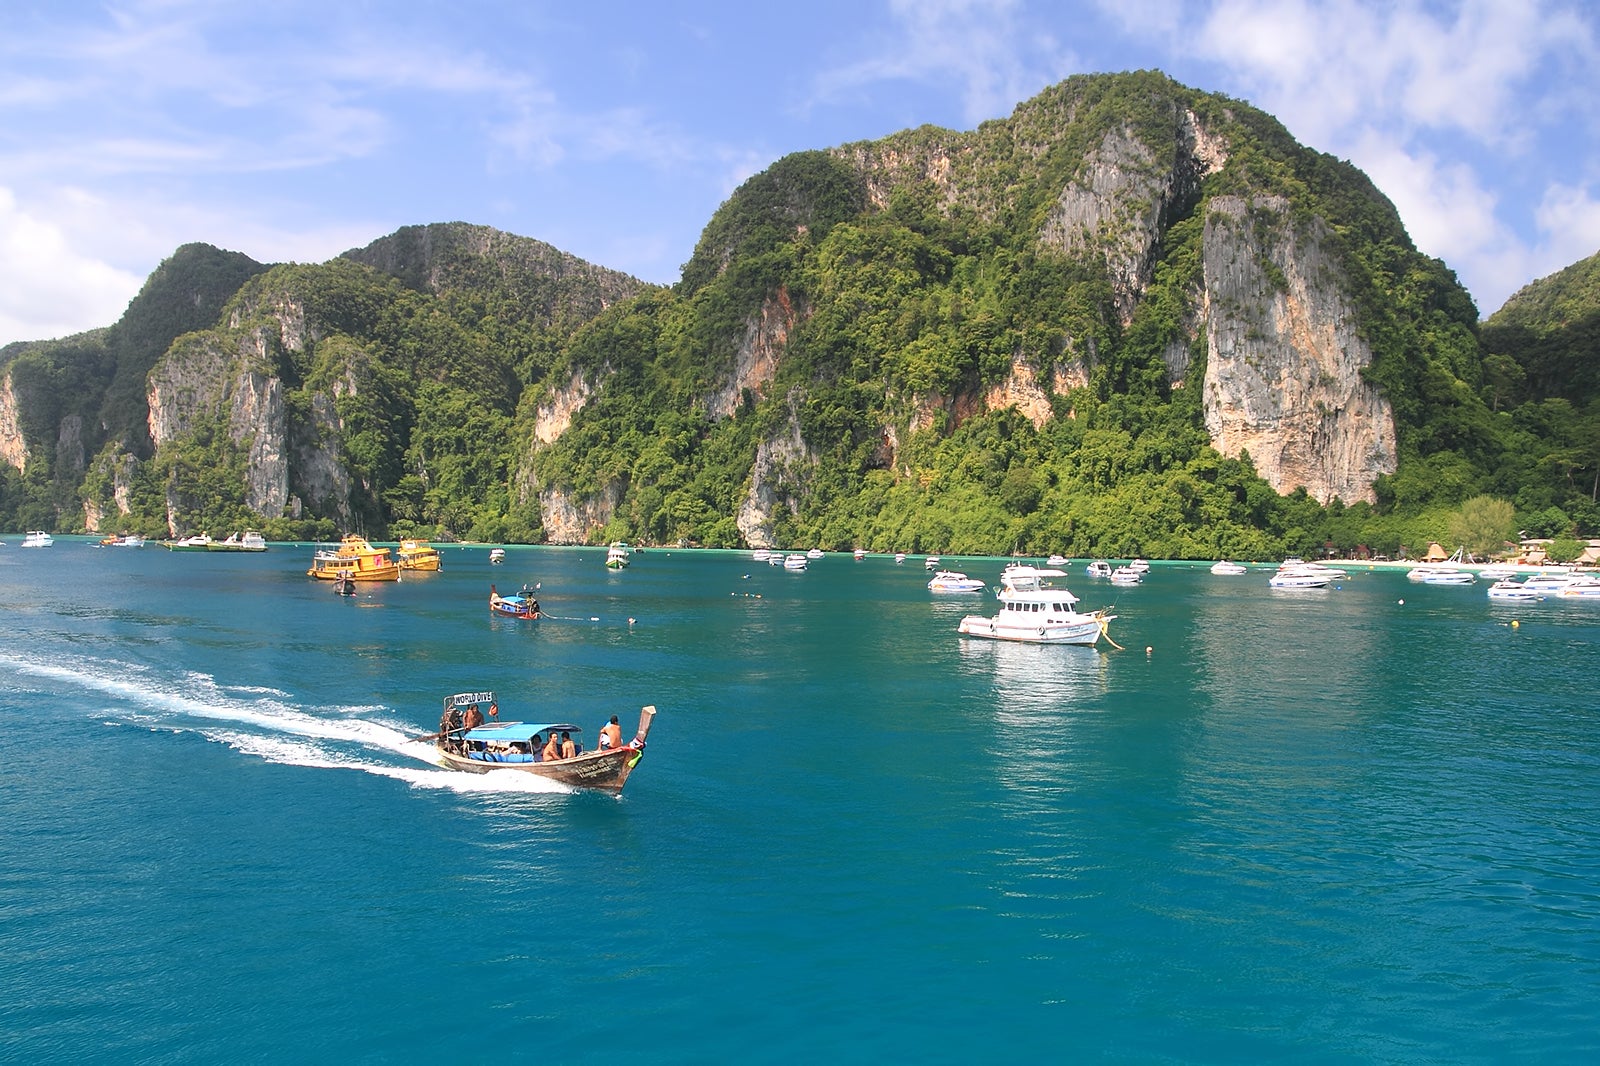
point(518, 731)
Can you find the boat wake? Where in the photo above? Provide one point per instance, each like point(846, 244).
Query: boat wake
point(262, 723)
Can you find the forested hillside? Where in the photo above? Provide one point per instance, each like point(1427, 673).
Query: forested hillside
point(1130, 319)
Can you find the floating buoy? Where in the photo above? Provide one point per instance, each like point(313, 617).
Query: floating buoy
point(1148, 649)
point(1402, 603)
point(1515, 623)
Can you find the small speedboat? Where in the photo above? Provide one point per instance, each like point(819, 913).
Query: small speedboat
point(1584, 586)
point(954, 581)
point(931, 563)
point(1300, 576)
point(37, 538)
point(1126, 575)
point(497, 555)
point(1224, 568)
point(794, 561)
point(1098, 568)
point(1057, 561)
point(617, 556)
point(1506, 589)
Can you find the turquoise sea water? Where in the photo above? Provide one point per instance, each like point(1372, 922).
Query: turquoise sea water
point(1307, 826)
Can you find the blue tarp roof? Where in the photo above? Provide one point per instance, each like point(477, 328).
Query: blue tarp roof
point(522, 731)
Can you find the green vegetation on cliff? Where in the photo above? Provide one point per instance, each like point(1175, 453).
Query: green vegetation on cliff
point(907, 344)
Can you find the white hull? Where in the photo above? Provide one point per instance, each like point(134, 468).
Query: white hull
point(1298, 581)
point(1086, 630)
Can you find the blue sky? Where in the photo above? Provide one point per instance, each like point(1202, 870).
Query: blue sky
point(292, 130)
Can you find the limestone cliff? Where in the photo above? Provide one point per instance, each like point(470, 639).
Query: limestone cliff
point(1285, 356)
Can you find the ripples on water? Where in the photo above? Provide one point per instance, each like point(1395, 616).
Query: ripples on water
point(1301, 826)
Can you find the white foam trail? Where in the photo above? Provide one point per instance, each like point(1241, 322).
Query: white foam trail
point(284, 733)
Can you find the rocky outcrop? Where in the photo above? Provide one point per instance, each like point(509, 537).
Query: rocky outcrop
point(1118, 204)
point(1284, 356)
point(553, 416)
point(570, 519)
point(774, 480)
point(756, 361)
point(13, 447)
point(322, 477)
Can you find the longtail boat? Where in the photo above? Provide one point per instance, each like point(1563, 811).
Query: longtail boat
point(517, 746)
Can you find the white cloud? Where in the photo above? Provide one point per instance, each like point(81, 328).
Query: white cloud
point(48, 287)
point(991, 56)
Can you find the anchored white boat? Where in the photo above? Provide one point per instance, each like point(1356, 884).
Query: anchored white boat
point(1098, 568)
point(1293, 575)
point(954, 581)
point(37, 538)
point(1033, 611)
point(1224, 568)
point(1449, 572)
point(1506, 589)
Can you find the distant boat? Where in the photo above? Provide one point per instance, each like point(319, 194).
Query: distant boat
point(1098, 568)
point(37, 538)
point(1297, 575)
point(1582, 586)
point(250, 542)
point(861, 553)
point(522, 605)
point(1225, 568)
point(1126, 575)
point(794, 561)
point(1033, 611)
point(899, 557)
point(123, 540)
point(954, 581)
point(497, 555)
point(617, 555)
point(199, 542)
point(355, 559)
point(931, 563)
point(1057, 561)
point(1507, 589)
point(1449, 572)
point(416, 554)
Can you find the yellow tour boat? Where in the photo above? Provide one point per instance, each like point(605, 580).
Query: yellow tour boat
point(355, 559)
point(417, 555)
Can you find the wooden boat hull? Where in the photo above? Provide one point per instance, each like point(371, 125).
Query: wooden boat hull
point(511, 609)
point(605, 770)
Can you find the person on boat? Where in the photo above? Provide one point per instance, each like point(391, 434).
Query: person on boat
point(569, 750)
point(611, 734)
point(536, 748)
point(494, 710)
point(552, 750)
point(473, 718)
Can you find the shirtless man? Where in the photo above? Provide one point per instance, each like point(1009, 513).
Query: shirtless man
point(569, 750)
point(611, 734)
point(552, 750)
point(474, 717)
